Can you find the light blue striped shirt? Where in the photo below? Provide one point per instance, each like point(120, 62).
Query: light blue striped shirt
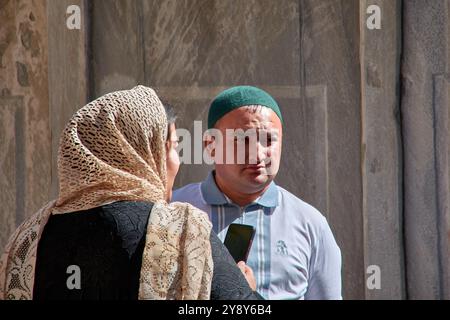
point(294, 254)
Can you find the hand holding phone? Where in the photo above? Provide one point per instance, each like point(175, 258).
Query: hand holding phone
point(248, 274)
point(239, 240)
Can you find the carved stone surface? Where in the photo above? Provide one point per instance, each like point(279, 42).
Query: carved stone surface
point(25, 165)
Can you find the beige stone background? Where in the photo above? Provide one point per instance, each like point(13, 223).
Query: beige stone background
point(367, 111)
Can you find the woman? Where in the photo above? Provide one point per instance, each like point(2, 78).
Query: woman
point(111, 234)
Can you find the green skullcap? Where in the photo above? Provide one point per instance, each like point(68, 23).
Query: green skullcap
point(237, 97)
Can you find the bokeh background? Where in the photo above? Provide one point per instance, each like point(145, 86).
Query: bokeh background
point(366, 111)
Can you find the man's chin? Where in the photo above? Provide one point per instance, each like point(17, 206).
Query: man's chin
point(258, 180)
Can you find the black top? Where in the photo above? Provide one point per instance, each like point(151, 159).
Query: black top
point(107, 244)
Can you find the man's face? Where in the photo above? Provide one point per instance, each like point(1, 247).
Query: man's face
point(251, 148)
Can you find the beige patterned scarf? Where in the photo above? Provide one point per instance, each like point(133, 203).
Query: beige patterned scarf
point(114, 149)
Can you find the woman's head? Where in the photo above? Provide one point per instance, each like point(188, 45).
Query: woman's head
point(114, 149)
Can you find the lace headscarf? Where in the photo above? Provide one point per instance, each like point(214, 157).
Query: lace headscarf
point(114, 149)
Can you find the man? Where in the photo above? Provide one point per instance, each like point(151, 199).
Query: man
point(294, 254)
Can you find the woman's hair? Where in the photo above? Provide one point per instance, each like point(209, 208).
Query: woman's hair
point(170, 114)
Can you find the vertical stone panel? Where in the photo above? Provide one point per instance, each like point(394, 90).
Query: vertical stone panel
point(382, 152)
point(442, 152)
point(329, 57)
point(425, 54)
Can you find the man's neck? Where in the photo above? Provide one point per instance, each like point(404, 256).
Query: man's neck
point(238, 198)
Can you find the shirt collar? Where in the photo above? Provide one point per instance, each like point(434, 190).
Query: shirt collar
point(211, 192)
point(213, 196)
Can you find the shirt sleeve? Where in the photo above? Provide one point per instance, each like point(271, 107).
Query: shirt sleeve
point(324, 281)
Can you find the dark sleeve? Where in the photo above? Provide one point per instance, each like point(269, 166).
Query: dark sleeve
point(228, 282)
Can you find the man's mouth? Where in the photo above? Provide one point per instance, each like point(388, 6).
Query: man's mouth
point(255, 167)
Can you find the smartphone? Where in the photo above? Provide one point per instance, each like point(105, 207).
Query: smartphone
point(239, 240)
